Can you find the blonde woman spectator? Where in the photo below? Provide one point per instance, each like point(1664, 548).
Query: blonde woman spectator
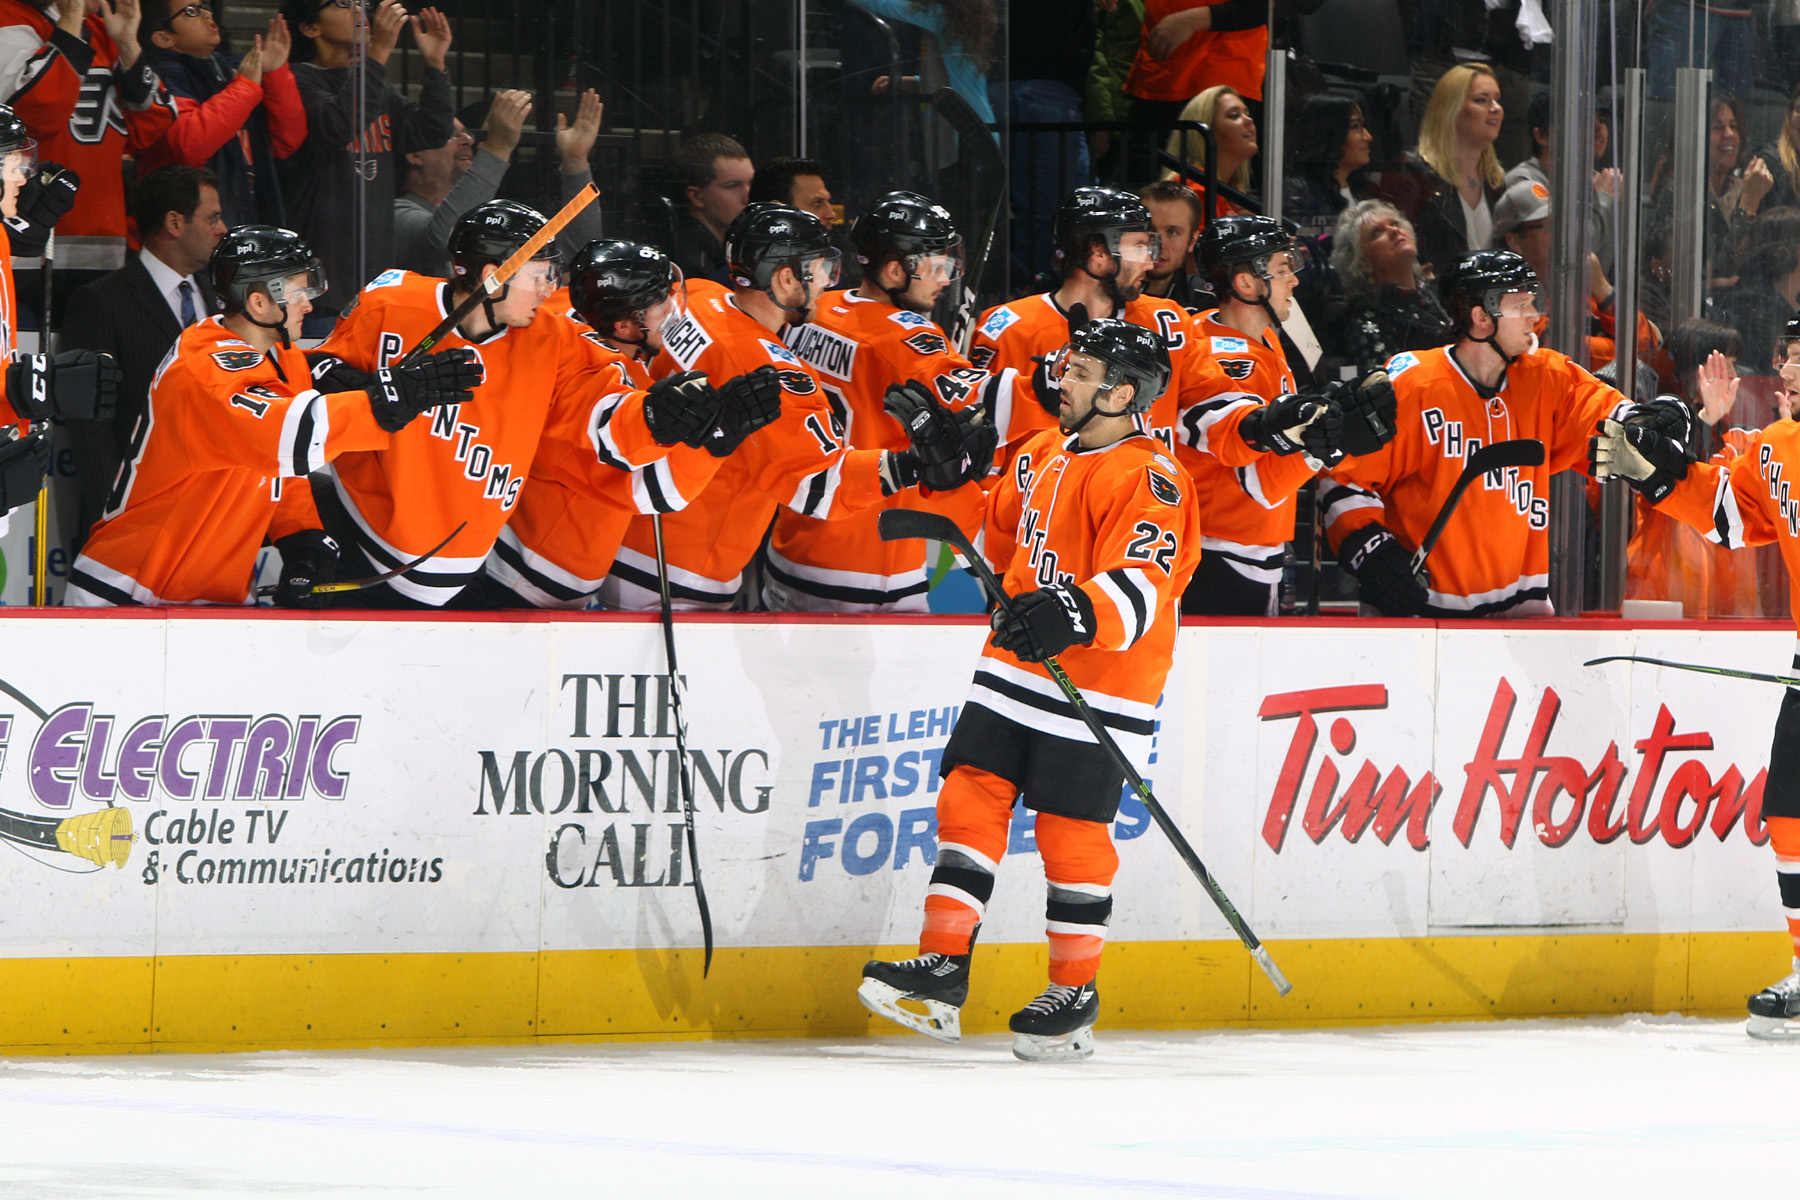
point(1782, 158)
point(1222, 110)
point(1456, 177)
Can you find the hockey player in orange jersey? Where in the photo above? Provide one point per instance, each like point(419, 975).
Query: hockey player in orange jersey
point(859, 343)
point(466, 466)
point(1095, 530)
point(218, 461)
point(1493, 385)
point(1106, 243)
point(1744, 501)
point(780, 262)
point(584, 487)
point(1247, 439)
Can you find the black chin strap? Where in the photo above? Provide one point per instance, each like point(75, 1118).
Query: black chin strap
point(1263, 302)
point(280, 327)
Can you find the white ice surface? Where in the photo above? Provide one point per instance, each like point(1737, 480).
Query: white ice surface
point(1636, 1107)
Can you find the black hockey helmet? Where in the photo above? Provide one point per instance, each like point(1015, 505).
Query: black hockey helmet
point(1132, 354)
point(262, 256)
point(903, 226)
point(1790, 332)
point(1237, 243)
point(1098, 213)
point(1481, 279)
point(768, 236)
point(492, 233)
point(612, 281)
point(17, 146)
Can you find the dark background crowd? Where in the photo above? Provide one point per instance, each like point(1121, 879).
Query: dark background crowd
point(1413, 130)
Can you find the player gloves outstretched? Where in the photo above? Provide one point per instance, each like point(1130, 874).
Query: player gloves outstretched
point(682, 409)
point(401, 393)
point(1384, 572)
point(307, 558)
point(1369, 409)
point(1651, 462)
point(746, 404)
point(80, 385)
point(949, 448)
point(1291, 424)
point(1042, 624)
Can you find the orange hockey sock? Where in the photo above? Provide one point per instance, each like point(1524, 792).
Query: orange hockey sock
point(1079, 865)
point(1784, 837)
point(974, 818)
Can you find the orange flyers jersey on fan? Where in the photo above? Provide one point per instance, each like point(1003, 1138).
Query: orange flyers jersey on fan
point(1495, 552)
point(459, 464)
point(800, 461)
point(1013, 335)
point(1748, 500)
point(857, 347)
point(1123, 524)
point(215, 467)
point(584, 490)
point(1246, 495)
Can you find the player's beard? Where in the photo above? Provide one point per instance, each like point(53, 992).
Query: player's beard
point(1118, 294)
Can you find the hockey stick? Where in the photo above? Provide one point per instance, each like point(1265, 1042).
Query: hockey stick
point(504, 272)
point(978, 141)
point(898, 524)
point(1520, 452)
point(368, 581)
point(1790, 680)
point(681, 754)
point(40, 570)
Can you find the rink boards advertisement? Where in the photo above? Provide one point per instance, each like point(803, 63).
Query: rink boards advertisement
point(268, 831)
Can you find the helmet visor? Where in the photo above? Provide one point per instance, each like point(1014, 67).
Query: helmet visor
point(669, 310)
point(1139, 248)
point(1080, 367)
point(1519, 304)
point(301, 285)
point(821, 273)
point(939, 268)
point(540, 275)
point(18, 161)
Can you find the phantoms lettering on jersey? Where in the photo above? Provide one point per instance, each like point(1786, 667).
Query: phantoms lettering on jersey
point(799, 461)
point(1016, 334)
point(459, 464)
point(216, 465)
point(1494, 557)
point(857, 347)
point(586, 485)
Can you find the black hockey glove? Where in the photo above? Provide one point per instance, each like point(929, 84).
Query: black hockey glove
point(307, 558)
point(981, 439)
point(43, 201)
point(1290, 424)
point(938, 459)
point(1647, 460)
point(401, 393)
point(1049, 396)
point(1042, 624)
point(24, 462)
point(1384, 574)
point(332, 374)
point(1369, 409)
point(746, 404)
point(81, 385)
point(1667, 415)
point(682, 409)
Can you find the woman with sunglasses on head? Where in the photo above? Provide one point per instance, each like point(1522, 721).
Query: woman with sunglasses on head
point(355, 121)
point(234, 116)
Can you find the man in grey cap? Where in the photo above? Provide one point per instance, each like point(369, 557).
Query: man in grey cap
point(1537, 170)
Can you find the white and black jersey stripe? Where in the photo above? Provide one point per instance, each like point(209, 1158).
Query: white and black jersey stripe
point(600, 434)
point(1728, 520)
point(1343, 498)
point(1262, 564)
point(653, 489)
point(434, 582)
point(303, 433)
point(814, 495)
point(1036, 702)
point(1134, 595)
point(801, 587)
point(1197, 420)
point(631, 586)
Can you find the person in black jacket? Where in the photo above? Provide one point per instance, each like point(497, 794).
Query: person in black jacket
point(339, 186)
point(1329, 147)
point(1391, 306)
point(1449, 186)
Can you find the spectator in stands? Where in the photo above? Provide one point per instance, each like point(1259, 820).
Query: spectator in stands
point(1223, 111)
point(717, 174)
point(1665, 560)
point(445, 183)
point(1048, 56)
point(1764, 297)
point(1175, 211)
point(1328, 148)
point(964, 30)
point(356, 124)
point(1391, 305)
point(1116, 36)
point(136, 313)
point(1713, 35)
point(1735, 191)
point(235, 117)
point(1536, 169)
point(1498, 34)
point(1782, 158)
point(1455, 177)
point(71, 78)
point(1187, 47)
point(796, 182)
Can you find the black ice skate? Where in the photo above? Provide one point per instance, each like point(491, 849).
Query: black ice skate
point(1772, 1010)
point(1058, 1026)
point(939, 983)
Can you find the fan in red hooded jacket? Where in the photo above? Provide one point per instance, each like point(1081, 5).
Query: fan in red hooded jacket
point(76, 77)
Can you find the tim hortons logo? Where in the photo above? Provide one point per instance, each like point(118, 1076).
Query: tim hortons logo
point(1560, 794)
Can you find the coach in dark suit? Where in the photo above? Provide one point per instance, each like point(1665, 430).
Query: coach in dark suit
point(136, 313)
